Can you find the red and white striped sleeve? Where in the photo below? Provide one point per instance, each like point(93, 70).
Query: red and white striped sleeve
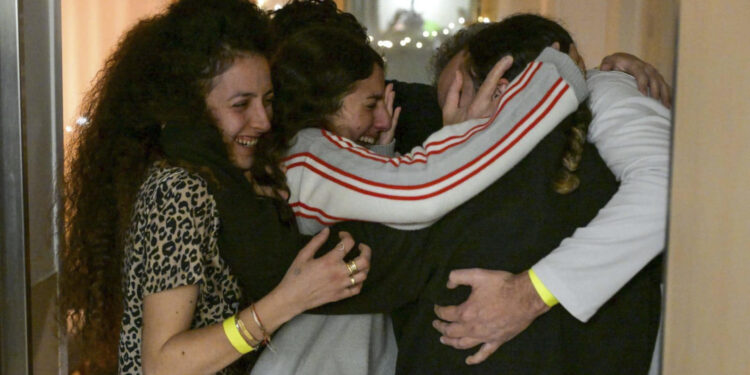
point(333, 179)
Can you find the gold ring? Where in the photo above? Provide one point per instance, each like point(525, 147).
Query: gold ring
point(352, 267)
point(354, 282)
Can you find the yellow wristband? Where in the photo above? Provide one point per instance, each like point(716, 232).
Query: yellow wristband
point(234, 336)
point(542, 290)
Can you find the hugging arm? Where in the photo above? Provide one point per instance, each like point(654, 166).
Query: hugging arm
point(400, 266)
point(178, 241)
point(169, 343)
point(331, 179)
point(632, 134)
point(650, 81)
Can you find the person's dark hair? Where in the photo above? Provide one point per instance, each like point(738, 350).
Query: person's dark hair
point(312, 72)
point(524, 36)
point(301, 14)
point(451, 47)
point(157, 78)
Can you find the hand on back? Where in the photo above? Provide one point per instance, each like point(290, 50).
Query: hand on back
point(650, 81)
point(311, 282)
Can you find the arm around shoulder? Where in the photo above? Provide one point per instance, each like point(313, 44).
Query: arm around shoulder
point(331, 179)
point(632, 133)
point(183, 334)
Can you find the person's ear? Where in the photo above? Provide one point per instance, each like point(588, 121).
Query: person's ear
point(501, 88)
point(555, 45)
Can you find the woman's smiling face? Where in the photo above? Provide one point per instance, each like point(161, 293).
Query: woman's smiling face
point(240, 102)
point(363, 116)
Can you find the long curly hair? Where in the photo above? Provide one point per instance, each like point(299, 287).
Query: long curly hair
point(159, 74)
point(524, 36)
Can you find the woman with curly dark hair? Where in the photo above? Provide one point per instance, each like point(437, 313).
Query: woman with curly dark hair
point(162, 178)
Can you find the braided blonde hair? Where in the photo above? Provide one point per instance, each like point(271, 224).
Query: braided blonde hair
point(566, 180)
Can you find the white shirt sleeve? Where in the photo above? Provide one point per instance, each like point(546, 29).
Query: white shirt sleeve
point(632, 133)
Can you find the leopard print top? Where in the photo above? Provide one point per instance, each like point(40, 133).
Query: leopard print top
point(172, 241)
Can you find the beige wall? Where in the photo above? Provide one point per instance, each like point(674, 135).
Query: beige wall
point(645, 28)
point(90, 30)
point(708, 276)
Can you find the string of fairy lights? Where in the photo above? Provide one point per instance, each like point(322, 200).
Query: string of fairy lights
point(427, 39)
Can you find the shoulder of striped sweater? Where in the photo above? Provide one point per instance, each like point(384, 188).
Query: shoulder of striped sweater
point(305, 137)
point(309, 134)
point(552, 55)
point(567, 69)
